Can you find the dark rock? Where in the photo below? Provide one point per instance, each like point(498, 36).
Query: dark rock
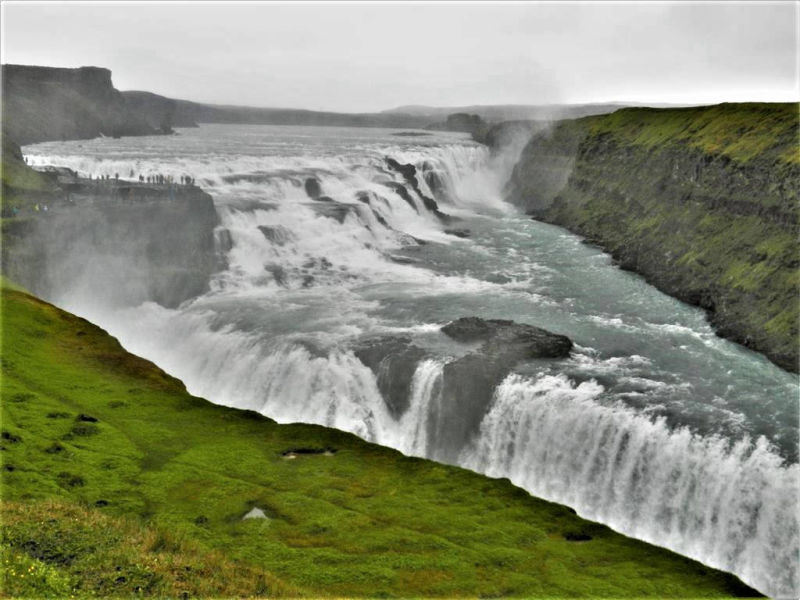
point(401, 191)
point(409, 173)
point(334, 210)
point(101, 503)
point(394, 361)
point(49, 103)
point(86, 418)
point(538, 343)
point(434, 180)
point(278, 273)
point(324, 199)
point(468, 383)
point(313, 188)
point(462, 233)
point(277, 235)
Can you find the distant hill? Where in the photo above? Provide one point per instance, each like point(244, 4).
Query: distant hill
point(188, 111)
point(510, 112)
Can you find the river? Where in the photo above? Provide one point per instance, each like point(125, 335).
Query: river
point(654, 425)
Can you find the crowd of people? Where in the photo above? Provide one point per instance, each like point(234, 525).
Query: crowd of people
point(157, 179)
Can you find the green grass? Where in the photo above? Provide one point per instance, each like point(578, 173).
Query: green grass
point(702, 201)
point(155, 488)
point(742, 132)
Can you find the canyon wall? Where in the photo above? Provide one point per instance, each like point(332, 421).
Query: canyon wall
point(703, 202)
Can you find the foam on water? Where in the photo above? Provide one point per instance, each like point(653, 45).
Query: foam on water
point(653, 426)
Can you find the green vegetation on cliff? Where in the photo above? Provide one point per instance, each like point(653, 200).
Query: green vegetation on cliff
point(703, 202)
point(118, 482)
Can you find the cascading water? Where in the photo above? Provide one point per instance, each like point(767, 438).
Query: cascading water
point(340, 272)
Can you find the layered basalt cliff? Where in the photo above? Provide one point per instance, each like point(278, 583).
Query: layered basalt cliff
point(120, 242)
point(47, 103)
point(703, 202)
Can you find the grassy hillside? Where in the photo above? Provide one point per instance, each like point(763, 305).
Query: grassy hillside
point(21, 185)
point(701, 201)
point(117, 482)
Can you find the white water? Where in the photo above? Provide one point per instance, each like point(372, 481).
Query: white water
point(654, 426)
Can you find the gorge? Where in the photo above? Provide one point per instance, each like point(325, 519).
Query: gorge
point(328, 304)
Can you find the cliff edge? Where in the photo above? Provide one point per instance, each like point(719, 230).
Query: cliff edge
point(703, 202)
point(47, 103)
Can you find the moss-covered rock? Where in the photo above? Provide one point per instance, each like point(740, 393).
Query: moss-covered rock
point(703, 202)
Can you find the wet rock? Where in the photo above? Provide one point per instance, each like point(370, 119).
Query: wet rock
point(313, 188)
point(461, 233)
point(401, 191)
point(278, 273)
point(468, 383)
point(434, 180)
point(277, 235)
point(334, 210)
point(409, 173)
point(394, 361)
point(505, 336)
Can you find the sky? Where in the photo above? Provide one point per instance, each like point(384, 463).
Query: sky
point(368, 57)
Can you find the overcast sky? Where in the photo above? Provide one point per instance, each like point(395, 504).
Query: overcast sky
point(364, 57)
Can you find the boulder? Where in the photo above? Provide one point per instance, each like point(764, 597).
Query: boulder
point(313, 188)
point(394, 361)
point(468, 383)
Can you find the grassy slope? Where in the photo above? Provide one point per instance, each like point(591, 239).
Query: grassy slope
point(669, 192)
point(19, 181)
point(367, 521)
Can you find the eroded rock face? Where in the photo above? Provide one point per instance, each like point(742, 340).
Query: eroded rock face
point(460, 400)
point(394, 361)
point(49, 103)
point(313, 188)
point(508, 337)
point(468, 383)
point(666, 207)
point(409, 173)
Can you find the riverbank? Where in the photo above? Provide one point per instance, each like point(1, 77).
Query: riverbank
point(702, 202)
point(99, 443)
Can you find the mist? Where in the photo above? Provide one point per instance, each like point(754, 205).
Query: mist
point(375, 57)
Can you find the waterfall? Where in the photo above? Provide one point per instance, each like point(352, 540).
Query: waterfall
point(309, 278)
point(733, 506)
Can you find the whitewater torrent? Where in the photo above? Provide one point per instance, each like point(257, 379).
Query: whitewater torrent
point(653, 426)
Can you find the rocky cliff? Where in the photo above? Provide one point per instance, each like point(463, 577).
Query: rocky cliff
point(121, 242)
point(703, 202)
point(46, 103)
